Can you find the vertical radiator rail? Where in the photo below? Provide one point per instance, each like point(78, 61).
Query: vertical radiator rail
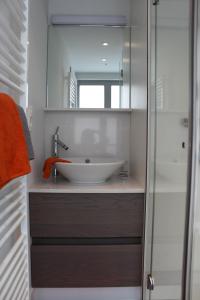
point(14, 237)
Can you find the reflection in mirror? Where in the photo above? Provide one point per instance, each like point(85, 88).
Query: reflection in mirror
point(88, 67)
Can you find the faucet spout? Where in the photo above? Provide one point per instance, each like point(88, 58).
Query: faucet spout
point(57, 142)
point(55, 149)
point(61, 144)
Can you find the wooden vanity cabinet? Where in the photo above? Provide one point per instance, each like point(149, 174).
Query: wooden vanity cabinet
point(86, 240)
point(86, 215)
point(86, 266)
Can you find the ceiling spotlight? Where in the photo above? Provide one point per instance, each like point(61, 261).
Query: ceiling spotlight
point(105, 44)
point(104, 60)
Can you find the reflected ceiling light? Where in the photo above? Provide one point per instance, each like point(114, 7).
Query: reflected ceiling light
point(104, 60)
point(104, 44)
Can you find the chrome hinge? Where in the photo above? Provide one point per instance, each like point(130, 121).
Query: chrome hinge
point(156, 2)
point(150, 282)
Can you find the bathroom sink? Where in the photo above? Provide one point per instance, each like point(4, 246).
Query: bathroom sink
point(89, 170)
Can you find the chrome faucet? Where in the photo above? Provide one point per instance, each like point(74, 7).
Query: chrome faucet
point(56, 142)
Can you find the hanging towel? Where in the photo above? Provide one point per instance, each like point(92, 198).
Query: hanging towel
point(26, 133)
point(49, 163)
point(14, 160)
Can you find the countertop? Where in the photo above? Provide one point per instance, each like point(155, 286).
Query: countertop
point(115, 185)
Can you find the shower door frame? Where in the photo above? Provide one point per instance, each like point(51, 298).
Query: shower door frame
point(195, 149)
point(192, 158)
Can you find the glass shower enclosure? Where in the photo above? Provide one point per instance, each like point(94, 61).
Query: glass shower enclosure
point(169, 144)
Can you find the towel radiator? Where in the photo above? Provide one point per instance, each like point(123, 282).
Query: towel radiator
point(14, 237)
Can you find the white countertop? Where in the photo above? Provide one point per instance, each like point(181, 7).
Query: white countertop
point(116, 185)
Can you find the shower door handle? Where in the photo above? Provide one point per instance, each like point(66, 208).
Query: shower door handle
point(156, 2)
point(150, 282)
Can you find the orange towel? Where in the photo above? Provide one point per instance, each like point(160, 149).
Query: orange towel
point(48, 165)
point(14, 160)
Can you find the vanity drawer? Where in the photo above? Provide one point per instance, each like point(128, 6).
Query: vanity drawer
point(86, 215)
point(86, 266)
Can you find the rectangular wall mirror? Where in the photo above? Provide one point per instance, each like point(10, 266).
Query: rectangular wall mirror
point(88, 67)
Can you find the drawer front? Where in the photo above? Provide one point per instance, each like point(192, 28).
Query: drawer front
point(86, 215)
point(86, 266)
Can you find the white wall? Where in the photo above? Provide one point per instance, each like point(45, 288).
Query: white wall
point(37, 79)
point(139, 89)
point(88, 134)
point(173, 77)
point(139, 54)
point(90, 7)
point(138, 145)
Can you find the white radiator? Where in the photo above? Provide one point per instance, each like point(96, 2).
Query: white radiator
point(14, 237)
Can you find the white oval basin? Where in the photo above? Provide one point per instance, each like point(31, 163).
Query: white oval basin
point(97, 170)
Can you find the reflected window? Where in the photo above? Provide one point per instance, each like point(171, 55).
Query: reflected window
point(115, 96)
point(99, 93)
point(91, 96)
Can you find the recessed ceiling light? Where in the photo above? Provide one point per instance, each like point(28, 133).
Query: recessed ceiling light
point(104, 60)
point(105, 44)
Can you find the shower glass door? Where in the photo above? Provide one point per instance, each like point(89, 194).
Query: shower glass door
point(169, 103)
point(193, 283)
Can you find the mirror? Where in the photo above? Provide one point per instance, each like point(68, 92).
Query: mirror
point(88, 67)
